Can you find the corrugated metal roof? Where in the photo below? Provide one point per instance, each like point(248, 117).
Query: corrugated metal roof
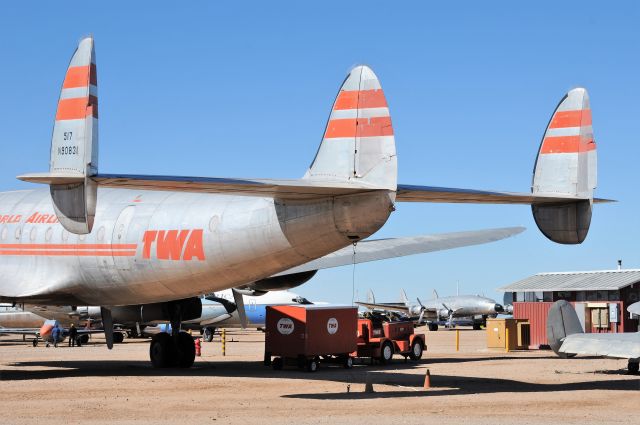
point(603, 280)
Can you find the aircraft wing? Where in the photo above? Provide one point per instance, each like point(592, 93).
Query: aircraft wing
point(384, 307)
point(380, 249)
point(412, 193)
point(304, 188)
point(618, 345)
point(19, 331)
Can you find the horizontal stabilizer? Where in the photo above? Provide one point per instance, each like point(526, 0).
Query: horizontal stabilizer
point(618, 345)
point(380, 249)
point(412, 193)
point(292, 189)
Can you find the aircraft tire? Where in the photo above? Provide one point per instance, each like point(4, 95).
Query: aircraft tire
point(433, 327)
point(84, 338)
point(633, 367)
point(162, 350)
point(35, 342)
point(186, 350)
point(207, 334)
point(118, 337)
point(477, 326)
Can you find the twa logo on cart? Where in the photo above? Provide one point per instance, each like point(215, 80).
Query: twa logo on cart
point(285, 326)
point(332, 325)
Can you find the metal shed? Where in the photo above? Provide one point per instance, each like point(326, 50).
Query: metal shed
point(600, 297)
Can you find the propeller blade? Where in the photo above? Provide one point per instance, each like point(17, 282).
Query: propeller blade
point(107, 325)
point(239, 301)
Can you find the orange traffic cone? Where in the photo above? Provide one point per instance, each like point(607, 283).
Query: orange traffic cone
point(427, 380)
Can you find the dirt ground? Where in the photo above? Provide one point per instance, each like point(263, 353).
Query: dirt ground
point(474, 386)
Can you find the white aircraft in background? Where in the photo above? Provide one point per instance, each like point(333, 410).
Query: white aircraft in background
point(567, 338)
point(153, 244)
point(441, 309)
point(219, 310)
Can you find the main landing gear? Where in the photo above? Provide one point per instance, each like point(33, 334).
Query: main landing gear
point(175, 350)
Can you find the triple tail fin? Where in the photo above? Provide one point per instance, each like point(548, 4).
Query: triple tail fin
point(567, 165)
point(404, 298)
point(358, 143)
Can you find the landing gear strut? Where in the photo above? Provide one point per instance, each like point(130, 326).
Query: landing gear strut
point(175, 350)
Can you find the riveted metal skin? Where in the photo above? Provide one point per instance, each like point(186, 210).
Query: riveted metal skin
point(253, 238)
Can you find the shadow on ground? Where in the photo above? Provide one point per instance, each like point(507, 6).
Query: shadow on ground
point(397, 375)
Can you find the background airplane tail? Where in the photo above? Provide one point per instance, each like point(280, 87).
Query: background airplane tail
point(562, 321)
point(567, 166)
point(358, 142)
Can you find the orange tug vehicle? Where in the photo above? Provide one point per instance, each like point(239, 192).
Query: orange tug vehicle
point(304, 336)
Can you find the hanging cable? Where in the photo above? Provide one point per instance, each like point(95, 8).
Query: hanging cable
point(353, 274)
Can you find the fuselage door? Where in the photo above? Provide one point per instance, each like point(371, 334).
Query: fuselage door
point(122, 237)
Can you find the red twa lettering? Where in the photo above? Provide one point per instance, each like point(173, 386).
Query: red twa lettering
point(148, 238)
point(194, 246)
point(174, 244)
point(169, 244)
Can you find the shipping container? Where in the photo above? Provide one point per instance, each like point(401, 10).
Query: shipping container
point(301, 334)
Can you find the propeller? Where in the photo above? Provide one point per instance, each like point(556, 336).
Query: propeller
point(239, 300)
point(422, 310)
point(450, 314)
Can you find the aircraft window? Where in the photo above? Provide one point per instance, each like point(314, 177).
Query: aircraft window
point(101, 234)
point(3, 236)
point(47, 235)
point(18, 233)
point(81, 238)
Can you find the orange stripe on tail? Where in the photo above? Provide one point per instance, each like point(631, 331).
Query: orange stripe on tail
point(360, 127)
point(566, 144)
point(77, 108)
point(577, 118)
point(360, 99)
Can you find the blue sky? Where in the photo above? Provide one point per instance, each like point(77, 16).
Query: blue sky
point(244, 89)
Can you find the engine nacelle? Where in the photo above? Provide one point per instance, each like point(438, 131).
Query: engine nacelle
point(281, 283)
point(190, 308)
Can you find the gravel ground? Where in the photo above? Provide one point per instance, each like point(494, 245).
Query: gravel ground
point(474, 386)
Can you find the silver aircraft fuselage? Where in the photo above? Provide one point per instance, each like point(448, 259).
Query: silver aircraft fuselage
point(154, 246)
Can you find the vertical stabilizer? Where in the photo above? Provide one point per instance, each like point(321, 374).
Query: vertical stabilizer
point(358, 142)
point(562, 321)
point(371, 299)
point(74, 144)
point(403, 297)
point(567, 166)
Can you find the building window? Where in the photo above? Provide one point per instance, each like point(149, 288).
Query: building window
point(547, 297)
point(581, 296)
point(519, 297)
point(602, 296)
point(614, 295)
